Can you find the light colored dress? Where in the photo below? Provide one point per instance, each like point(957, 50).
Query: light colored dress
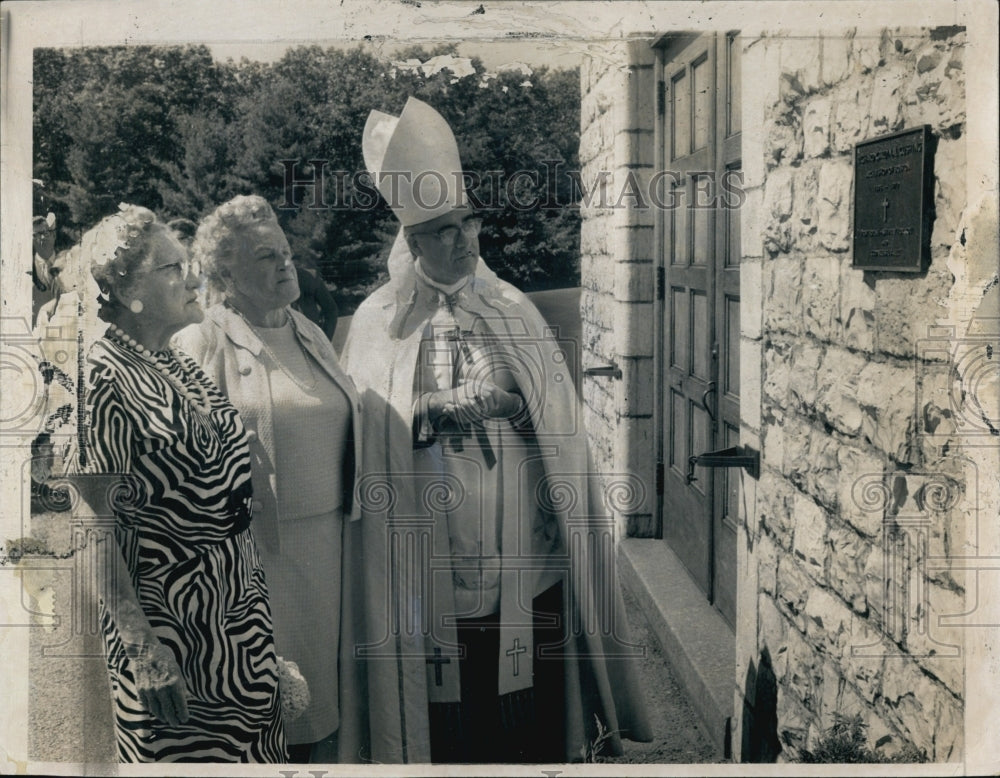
point(311, 425)
point(304, 429)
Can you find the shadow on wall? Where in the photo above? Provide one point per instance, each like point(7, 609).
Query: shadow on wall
point(760, 713)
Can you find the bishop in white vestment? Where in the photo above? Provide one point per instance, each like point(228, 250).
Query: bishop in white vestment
point(495, 627)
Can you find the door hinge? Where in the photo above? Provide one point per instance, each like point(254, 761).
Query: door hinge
point(661, 98)
point(661, 283)
point(659, 479)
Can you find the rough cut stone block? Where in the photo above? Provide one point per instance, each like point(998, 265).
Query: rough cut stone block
point(594, 236)
point(783, 140)
point(889, 420)
point(796, 465)
point(887, 98)
point(834, 201)
point(850, 123)
point(816, 128)
point(949, 730)
point(823, 475)
point(861, 494)
point(591, 142)
point(599, 308)
point(809, 545)
point(805, 213)
point(821, 297)
point(939, 647)
point(778, 199)
point(793, 591)
point(777, 373)
point(774, 509)
point(837, 384)
point(800, 59)
point(836, 65)
point(849, 553)
point(936, 94)
point(766, 564)
point(802, 383)
point(857, 309)
point(909, 309)
point(782, 282)
point(804, 674)
point(864, 659)
point(794, 723)
point(912, 700)
point(828, 622)
point(949, 190)
point(865, 51)
point(772, 633)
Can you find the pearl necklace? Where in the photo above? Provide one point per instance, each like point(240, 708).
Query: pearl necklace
point(292, 375)
point(190, 390)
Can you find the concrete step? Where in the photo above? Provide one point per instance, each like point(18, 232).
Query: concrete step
point(696, 640)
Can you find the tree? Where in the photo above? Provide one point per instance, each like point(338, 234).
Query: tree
point(169, 128)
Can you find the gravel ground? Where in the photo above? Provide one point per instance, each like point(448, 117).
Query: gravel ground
point(679, 737)
point(69, 704)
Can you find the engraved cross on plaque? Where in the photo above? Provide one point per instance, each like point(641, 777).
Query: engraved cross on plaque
point(885, 210)
point(515, 653)
point(437, 660)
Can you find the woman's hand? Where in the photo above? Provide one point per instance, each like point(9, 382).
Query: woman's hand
point(159, 681)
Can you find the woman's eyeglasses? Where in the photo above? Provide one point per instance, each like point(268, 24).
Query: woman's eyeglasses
point(448, 235)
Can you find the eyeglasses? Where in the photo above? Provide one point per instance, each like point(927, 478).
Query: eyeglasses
point(448, 235)
point(184, 268)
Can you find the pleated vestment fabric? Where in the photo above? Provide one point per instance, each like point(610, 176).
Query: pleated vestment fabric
point(381, 354)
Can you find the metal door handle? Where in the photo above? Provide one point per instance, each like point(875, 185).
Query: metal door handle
point(704, 399)
point(605, 371)
point(737, 456)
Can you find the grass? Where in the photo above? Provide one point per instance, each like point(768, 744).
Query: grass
point(846, 742)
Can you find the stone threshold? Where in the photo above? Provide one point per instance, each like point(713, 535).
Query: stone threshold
point(696, 640)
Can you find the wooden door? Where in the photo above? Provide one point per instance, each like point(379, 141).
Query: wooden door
point(700, 375)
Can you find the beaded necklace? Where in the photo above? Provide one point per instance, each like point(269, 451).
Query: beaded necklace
point(190, 390)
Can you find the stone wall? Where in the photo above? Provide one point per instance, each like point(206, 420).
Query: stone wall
point(872, 474)
point(617, 269)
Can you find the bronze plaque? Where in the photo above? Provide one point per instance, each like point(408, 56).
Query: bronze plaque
point(893, 198)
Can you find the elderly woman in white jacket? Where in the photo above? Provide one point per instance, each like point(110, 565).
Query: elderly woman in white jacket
point(302, 415)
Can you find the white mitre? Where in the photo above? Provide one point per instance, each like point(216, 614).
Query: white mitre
point(414, 161)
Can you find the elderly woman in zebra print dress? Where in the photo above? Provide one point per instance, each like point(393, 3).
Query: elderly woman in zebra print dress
point(186, 619)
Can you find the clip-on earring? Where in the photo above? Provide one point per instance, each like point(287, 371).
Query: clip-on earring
point(136, 306)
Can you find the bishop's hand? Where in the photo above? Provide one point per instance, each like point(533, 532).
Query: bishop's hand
point(475, 401)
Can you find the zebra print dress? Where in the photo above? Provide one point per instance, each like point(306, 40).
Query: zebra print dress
point(192, 558)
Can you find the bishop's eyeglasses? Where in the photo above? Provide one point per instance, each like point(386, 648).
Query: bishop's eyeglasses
point(448, 235)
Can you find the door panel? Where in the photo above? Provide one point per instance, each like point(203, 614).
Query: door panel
point(687, 508)
point(701, 254)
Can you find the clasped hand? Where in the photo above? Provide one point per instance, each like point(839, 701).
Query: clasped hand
point(159, 681)
point(475, 400)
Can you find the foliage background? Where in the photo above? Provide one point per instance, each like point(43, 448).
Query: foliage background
point(174, 130)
